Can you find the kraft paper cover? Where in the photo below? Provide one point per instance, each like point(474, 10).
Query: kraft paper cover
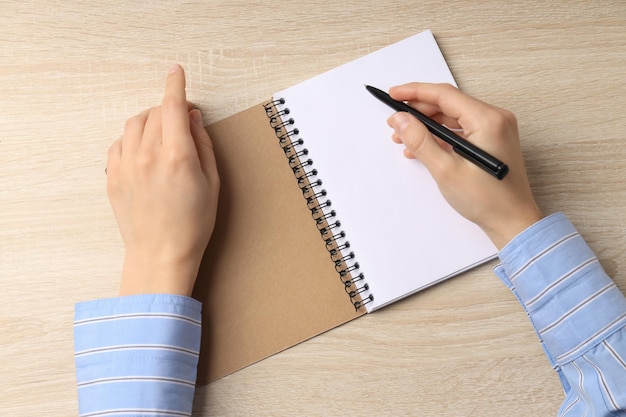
point(266, 281)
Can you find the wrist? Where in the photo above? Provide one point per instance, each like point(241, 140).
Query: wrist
point(150, 274)
point(505, 231)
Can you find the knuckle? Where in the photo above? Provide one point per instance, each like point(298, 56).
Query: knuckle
point(501, 120)
point(144, 160)
point(415, 139)
point(171, 102)
point(446, 94)
point(442, 173)
point(510, 118)
point(113, 149)
point(133, 123)
point(177, 159)
point(448, 88)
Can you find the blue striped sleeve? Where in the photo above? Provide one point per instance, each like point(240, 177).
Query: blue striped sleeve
point(577, 311)
point(137, 355)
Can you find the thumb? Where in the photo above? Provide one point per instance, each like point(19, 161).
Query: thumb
point(420, 143)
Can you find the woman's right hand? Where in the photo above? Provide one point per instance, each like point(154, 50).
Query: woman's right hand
point(502, 208)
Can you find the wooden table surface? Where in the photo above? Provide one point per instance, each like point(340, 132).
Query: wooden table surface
point(72, 72)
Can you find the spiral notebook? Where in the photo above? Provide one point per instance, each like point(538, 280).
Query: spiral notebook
point(321, 219)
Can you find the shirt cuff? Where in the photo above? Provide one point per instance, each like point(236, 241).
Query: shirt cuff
point(137, 353)
point(570, 300)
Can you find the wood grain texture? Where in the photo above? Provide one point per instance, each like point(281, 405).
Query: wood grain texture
point(72, 72)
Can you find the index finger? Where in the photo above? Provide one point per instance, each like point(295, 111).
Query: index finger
point(174, 109)
point(450, 100)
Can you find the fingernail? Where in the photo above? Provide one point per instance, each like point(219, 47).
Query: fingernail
point(173, 68)
point(399, 122)
point(196, 116)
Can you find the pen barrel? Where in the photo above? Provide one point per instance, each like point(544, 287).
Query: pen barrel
point(463, 147)
point(485, 161)
point(468, 150)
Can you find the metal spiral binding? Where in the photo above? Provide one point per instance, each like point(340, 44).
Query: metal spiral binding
point(318, 203)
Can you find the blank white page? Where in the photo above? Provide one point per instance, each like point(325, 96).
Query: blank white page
point(404, 234)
